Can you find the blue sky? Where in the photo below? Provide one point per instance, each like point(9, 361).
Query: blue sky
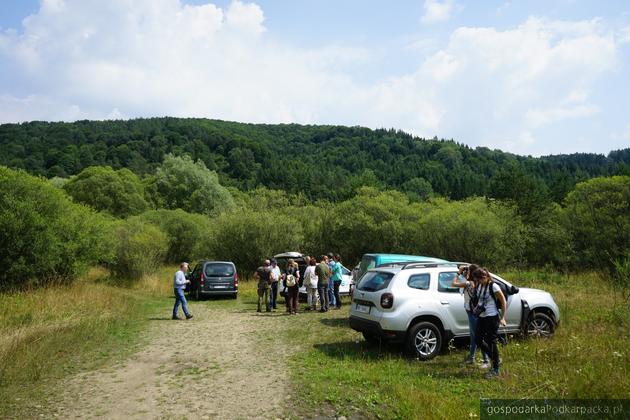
point(535, 77)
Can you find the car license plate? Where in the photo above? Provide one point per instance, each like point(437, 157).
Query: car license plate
point(363, 309)
point(220, 287)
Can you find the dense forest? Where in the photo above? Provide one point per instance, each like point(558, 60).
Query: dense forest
point(320, 162)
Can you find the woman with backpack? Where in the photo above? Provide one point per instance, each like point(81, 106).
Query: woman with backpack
point(291, 282)
point(464, 279)
point(489, 301)
point(310, 282)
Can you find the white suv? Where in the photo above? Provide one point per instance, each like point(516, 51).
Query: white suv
point(415, 303)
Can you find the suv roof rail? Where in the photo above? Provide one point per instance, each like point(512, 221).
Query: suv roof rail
point(410, 264)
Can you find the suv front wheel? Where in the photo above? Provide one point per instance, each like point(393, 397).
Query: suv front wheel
point(424, 340)
point(540, 325)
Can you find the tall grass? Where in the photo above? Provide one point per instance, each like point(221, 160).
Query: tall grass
point(48, 333)
point(339, 373)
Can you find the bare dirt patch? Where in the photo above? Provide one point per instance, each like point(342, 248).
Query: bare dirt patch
point(217, 365)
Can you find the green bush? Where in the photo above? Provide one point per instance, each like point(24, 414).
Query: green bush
point(372, 221)
point(120, 193)
point(187, 233)
point(140, 248)
point(597, 216)
point(247, 237)
point(45, 237)
point(472, 230)
point(182, 183)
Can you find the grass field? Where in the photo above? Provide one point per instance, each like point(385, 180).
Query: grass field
point(50, 333)
point(587, 358)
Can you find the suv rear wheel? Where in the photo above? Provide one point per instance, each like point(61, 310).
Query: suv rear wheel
point(540, 325)
point(424, 340)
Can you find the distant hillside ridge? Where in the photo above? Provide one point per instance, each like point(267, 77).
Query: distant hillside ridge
point(319, 161)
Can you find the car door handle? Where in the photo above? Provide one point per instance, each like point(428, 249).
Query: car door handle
point(444, 302)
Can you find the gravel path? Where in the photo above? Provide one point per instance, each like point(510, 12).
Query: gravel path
point(217, 365)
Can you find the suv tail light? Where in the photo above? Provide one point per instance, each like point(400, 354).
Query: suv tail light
point(235, 279)
point(202, 278)
point(387, 300)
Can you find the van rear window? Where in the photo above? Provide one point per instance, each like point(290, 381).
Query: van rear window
point(219, 270)
point(374, 281)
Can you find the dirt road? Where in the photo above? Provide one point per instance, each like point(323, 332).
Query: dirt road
point(216, 365)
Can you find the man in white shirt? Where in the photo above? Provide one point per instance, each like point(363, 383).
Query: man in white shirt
point(179, 284)
point(275, 276)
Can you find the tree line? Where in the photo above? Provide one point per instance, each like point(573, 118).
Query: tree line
point(52, 229)
point(319, 162)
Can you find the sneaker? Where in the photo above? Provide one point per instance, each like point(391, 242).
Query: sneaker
point(492, 373)
point(484, 365)
point(189, 316)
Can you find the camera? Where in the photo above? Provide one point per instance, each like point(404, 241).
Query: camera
point(479, 309)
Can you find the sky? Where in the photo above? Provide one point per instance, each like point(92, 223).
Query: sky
point(532, 78)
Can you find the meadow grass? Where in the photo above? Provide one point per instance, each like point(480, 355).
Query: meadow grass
point(51, 332)
point(338, 373)
point(47, 334)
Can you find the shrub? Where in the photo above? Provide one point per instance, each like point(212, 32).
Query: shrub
point(118, 192)
point(182, 183)
point(597, 216)
point(248, 236)
point(45, 236)
point(472, 230)
point(139, 249)
point(187, 234)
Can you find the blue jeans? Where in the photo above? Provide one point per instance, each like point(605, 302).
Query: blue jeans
point(179, 297)
point(273, 296)
point(331, 293)
point(472, 326)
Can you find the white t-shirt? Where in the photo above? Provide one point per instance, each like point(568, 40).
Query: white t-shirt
point(276, 273)
point(467, 291)
point(487, 300)
point(310, 278)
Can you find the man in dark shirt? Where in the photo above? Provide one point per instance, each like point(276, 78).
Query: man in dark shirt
point(263, 273)
point(323, 275)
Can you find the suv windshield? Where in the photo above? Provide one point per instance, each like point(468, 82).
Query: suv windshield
point(219, 270)
point(374, 280)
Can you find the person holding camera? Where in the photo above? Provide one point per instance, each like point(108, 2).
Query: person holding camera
point(489, 300)
point(464, 279)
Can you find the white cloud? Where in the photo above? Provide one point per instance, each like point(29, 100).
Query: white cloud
point(624, 134)
point(437, 11)
point(501, 88)
point(78, 59)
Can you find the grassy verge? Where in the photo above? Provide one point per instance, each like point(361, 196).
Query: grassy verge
point(48, 333)
point(339, 373)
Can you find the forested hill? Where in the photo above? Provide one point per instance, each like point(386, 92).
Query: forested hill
point(327, 162)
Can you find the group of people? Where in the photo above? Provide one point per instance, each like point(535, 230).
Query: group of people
point(322, 277)
point(485, 305)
